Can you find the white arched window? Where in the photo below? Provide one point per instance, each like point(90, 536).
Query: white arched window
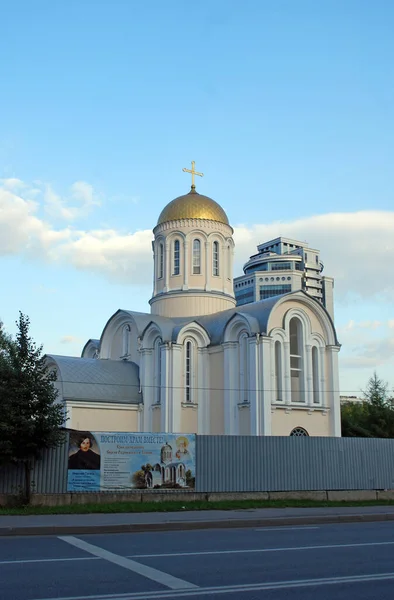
point(126, 340)
point(157, 370)
point(315, 375)
point(297, 360)
point(215, 259)
point(243, 368)
point(161, 261)
point(176, 258)
point(196, 257)
point(189, 370)
point(278, 372)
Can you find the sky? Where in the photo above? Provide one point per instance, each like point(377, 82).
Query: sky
point(286, 107)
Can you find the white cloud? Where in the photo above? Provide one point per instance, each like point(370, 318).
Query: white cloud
point(70, 339)
point(353, 325)
point(356, 248)
point(81, 200)
point(119, 256)
point(13, 184)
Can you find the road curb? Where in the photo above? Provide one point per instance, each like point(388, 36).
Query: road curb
point(193, 525)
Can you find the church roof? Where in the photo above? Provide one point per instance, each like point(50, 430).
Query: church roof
point(193, 206)
point(256, 313)
point(215, 323)
point(97, 380)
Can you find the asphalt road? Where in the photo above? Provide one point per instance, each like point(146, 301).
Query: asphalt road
point(346, 561)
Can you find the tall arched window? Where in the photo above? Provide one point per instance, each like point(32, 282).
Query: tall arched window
point(315, 375)
point(189, 371)
point(243, 368)
point(196, 257)
point(297, 361)
point(176, 261)
point(215, 258)
point(161, 261)
point(278, 372)
point(157, 370)
point(126, 340)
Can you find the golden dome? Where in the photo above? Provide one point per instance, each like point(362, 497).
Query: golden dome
point(193, 206)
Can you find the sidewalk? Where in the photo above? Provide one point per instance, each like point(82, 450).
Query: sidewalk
point(187, 520)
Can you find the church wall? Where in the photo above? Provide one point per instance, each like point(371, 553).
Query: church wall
point(156, 419)
point(316, 423)
point(244, 420)
point(277, 316)
point(189, 419)
point(104, 419)
point(190, 304)
point(216, 397)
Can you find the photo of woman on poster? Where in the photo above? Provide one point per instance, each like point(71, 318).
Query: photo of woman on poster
point(84, 458)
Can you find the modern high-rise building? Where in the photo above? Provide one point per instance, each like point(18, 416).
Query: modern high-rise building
point(284, 265)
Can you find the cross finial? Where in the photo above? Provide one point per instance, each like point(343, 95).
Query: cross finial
point(193, 172)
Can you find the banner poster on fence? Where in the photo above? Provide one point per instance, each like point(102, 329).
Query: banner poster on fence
point(99, 461)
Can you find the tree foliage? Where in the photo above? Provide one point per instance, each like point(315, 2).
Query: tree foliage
point(374, 417)
point(30, 417)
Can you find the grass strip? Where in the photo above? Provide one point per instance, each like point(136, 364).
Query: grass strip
point(176, 506)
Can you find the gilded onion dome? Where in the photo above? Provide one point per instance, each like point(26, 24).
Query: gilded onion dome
point(193, 206)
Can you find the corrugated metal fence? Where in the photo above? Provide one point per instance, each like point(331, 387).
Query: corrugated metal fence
point(49, 475)
point(251, 464)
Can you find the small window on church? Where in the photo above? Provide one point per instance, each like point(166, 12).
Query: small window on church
point(176, 258)
point(216, 259)
point(161, 261)
point(299, 432)
point(188, 372)
point(196, 257)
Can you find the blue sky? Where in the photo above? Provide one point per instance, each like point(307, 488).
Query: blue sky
point(287, 108)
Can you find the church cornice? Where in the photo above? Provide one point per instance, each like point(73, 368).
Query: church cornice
point(204, 224)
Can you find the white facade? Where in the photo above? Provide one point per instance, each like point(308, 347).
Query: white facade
point(199, 364)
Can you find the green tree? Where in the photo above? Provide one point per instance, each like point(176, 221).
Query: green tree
point(30, 417)
point(374, 417)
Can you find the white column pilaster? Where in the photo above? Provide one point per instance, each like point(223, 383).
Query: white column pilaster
point(165, 387)
point(202, 394)
point(148, 390)
point(254, 385)
point(154, 269)
point(266, 386)
point(333, 395)
point(308, 376)
point(287, 373)
point(231, 392)
point(177, 390)
point(167, 265)
point(322, 376)
point(186, 263)
point(208, 267)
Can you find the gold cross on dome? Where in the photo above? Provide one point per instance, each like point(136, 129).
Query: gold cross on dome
point(193, 172)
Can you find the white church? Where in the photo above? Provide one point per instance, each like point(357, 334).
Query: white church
point(197, 363)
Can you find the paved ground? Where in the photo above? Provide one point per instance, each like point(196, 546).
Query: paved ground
point(114, 523)
point(345, 561)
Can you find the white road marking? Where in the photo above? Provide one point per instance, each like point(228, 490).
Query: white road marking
point(208, 553)
point(236, 589)
point(149, 572)
point(256, 550)
point(45, 560)
point(284, 528)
